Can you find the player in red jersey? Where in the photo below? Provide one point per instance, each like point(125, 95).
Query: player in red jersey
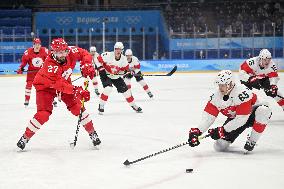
point(34, 57)
point(53, 79)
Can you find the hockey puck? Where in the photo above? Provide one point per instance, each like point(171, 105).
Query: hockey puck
point(188, 170)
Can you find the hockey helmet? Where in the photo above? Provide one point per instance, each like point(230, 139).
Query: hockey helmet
point(224, 77)
point(118, 45)
point(93, 49)
point(264, 54)
point(59, 44)
point(36, 41)
point(128, 52)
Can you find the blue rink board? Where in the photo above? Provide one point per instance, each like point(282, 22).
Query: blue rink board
point(167, 65)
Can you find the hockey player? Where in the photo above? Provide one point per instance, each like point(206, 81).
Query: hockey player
point(134, 69)
point(242, 109)
point(111, 65)
point(53, 78)
point(261, 73)
point(34, 57)
point(95, 55)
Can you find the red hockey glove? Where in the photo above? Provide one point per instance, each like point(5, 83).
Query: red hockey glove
point(81, 94)
point(217, 133)
point(194, 133)
point(87, 69)
point(20, 70)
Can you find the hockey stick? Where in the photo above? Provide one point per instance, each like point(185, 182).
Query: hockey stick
point(77, 78)
point(127, 162)
point(73, 144)
point(168, 74)
point(12, 71)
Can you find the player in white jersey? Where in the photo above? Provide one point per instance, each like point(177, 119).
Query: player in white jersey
point(95, 55)
point(261, 73)
point(241, 107)
point(134, 69)
point(112, 66)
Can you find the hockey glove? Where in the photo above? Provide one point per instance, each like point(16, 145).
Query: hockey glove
point(194, 133)
point(87, 69)
point(253, 82)
point(217, 133)
point(20, 70)
point(81, 94)
point(272, 91)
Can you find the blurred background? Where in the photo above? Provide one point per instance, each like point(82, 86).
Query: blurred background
point(156, 29)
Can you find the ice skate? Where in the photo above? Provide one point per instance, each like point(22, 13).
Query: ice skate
point(150, 94)
point(249, 146)
point(22, 142)
point(101, 109)
point(97, 92)
point(26, 103)
point(136, 108)
point(95, 138)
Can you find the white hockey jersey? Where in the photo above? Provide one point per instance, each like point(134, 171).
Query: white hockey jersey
point(108, 61)
point(134, 64)
point(95, 60)
point(238, 107)
point(251, 67)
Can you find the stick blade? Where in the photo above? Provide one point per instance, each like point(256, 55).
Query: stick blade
point(126, 162)
point(72, 145)
point(172, 71)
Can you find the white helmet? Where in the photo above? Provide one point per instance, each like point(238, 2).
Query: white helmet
point(128, 52)
point(264, 54)
point(118, 45)
point(224, 77)
point(93, 49)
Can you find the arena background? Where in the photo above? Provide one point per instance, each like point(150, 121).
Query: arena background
point(197, 35)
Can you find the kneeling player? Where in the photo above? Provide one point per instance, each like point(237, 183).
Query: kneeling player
point(242, 109)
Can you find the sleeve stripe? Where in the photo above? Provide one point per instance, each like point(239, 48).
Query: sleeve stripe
point(246, 68)
point(272, 74)
point(211, 109)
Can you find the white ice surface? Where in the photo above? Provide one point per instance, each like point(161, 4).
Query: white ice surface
point(48, 161)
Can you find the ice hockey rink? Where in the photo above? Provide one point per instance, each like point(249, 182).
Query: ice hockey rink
point(48, 161)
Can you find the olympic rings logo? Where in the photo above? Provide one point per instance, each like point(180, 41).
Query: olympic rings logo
point(133, 19)
point(64, 20)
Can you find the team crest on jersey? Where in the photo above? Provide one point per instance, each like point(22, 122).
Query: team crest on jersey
point(37, 62)
point(229, 111)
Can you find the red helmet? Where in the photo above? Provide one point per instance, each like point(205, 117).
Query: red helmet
point(36, 41)
point(58, 45)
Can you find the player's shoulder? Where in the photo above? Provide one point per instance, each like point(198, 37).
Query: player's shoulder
point(241, 94)
point(253, 61)
point(134, 58)
point(215, 96)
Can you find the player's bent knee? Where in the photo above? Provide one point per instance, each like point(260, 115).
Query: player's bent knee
point(221, 145)
point(42, 116)
point(75, 109)
point(263, 114)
